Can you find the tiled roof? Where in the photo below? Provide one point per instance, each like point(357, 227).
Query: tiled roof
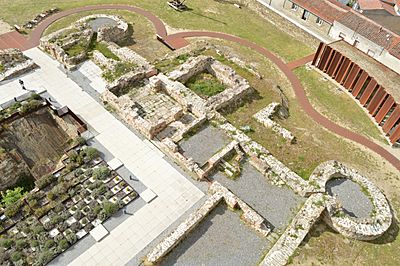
point(370, 4)
point(328, 10)
point(395, 50)
point(368, 29)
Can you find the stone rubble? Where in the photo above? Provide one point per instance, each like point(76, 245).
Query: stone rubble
point(14, 63)
point(264, 116)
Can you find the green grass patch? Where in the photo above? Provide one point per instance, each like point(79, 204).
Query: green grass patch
point(204, 15)
point(102, 48)
point(205, 85)
point(1, 68)
point(119, 70)
point(337, 105)
point(75, 50)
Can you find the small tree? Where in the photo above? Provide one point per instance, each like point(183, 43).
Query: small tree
point(21, 244)
point(101, 172)
point(91, 153)
point(109, 208)
point(12, 195)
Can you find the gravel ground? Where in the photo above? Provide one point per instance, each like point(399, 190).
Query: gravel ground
point(100, 22)
point(275, 204)
point(355, 203)
point(204, 144)
point(220, 239)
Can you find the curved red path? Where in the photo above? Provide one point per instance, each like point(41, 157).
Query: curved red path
point(179, 38)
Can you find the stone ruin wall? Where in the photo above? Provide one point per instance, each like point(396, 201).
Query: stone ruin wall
point(14, 63)
point(112, 33)
point(56, 47)
point(218, 193)
point(264, 116)
point(180, 93)
point(361, 229)
point(294, 234)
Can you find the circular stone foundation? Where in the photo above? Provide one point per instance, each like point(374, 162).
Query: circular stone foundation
point(100, 22)
point(354, 201)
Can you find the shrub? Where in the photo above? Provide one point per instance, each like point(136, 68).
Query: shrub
point(101, 173)
point(78, 215)
point(109, 208)
point(45, 257)
point(63, 244)
point(30, 106)
point(38, 229)
point(21, 244)
point(35, 96)
point(80, 141)
point(12, 195)
point(13, 209)
point(49, 244)
point(6, 242)
point(88, 227)
point(97, 209)
point(44, 181)
point(75, 226)
point(34, 243)
point(91, 153)
point(56, 219)
point(71, 238)
point(16, 256)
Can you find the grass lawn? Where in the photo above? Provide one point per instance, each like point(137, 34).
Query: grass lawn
point(143, 32)
point(205, 14)
point(102, 48)
point(337, 105)
point(75, 50)
point(205, 85)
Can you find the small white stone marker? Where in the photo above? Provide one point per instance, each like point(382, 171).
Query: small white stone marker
point(148, 195)
point(115, 164)
point(99, 232)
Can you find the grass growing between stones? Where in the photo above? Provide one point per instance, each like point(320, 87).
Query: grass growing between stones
point(75, 50)
point(337, 105)
point(205, 85)
point(119, 70)
point(102, 48)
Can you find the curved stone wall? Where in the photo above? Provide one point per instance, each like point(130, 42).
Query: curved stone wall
point(361, 229)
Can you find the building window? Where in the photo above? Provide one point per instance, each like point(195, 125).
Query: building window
point(319, 21)
point(306, 14)
point(294, 7)
point(356, 43)
point(342, 35)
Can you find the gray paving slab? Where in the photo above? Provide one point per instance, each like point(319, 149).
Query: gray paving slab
point(220, 239)
point(276, 204)
point(354, 202)
point(204, 144)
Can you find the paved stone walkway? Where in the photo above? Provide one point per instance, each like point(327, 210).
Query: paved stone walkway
point(175, 194)
point(177, 40)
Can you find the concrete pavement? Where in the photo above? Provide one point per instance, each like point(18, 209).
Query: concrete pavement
point(175, 194)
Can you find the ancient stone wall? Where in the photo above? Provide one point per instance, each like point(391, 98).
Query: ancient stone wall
point(294, 234)
point(218, 192)
point(14, 63)
point(264, 116)
point(362, 229)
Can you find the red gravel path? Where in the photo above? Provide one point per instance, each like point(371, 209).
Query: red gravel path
point(300, 62)
point(179, 40)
